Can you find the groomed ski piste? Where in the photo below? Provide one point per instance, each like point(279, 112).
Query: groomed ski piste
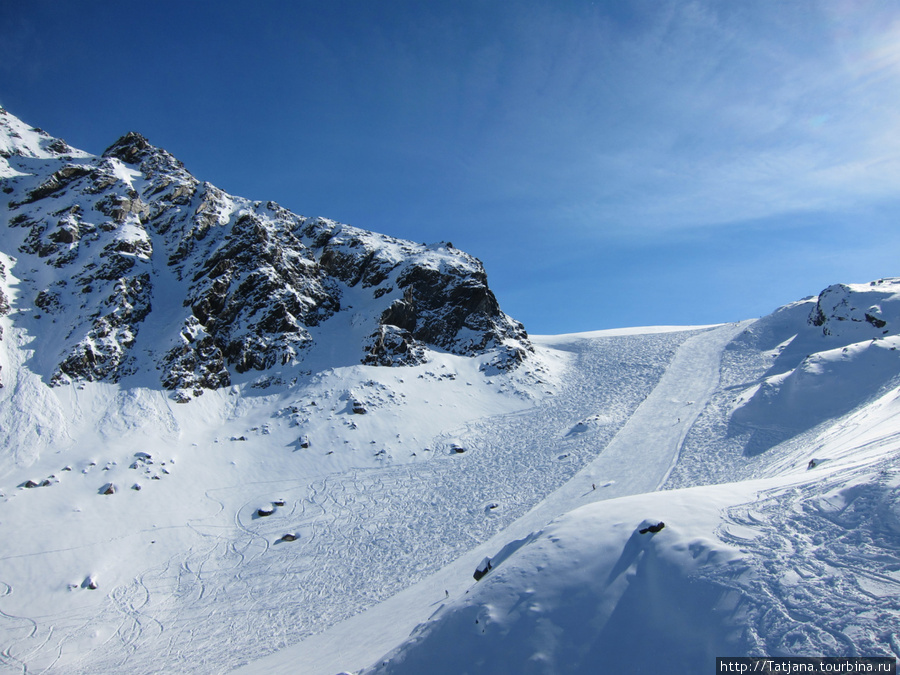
point(394, 485)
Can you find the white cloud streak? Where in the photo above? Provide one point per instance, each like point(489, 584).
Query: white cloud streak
point(698, 114)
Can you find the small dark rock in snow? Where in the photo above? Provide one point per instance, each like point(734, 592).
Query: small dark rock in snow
point(264, 511)
point(90, 583)
point(136, 486)
point(108, 489)
point(29, 484)
point(289, 537)
point(483, 568)
point(278, 502)
point(457, 449)
point(652, 528)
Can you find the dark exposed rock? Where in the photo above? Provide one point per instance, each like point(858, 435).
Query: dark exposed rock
point(129, 148)
point(652, 528)
point(483, 568)
point(57, 181)
point(875, 321)
point(393, 346)
point(59, 146)
point(402, 314)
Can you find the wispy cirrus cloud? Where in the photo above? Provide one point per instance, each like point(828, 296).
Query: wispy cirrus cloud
point(696, 114)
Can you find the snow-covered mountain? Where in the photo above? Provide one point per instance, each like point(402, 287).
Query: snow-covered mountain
point(142, 268)
point(205, 464)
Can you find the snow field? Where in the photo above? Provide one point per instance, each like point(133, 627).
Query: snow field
point(189, 576)
point(192, 578)
point(803, 561)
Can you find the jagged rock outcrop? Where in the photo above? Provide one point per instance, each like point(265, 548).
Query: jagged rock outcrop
point(862, 309)
point(143, 266)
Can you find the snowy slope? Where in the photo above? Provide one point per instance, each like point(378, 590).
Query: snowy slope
point(804, 564)
point(798, 558)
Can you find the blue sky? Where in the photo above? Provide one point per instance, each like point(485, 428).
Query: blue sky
point(613, 163)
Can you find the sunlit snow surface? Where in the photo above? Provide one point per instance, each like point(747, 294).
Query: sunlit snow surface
point(563, 462)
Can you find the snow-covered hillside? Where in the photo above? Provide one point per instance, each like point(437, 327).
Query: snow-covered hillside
point(780, 549)
point(206, 465)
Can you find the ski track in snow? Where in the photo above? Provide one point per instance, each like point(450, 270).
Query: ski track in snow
point(234, 599)
point(824, 572)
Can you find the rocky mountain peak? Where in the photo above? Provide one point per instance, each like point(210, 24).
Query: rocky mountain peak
point(129, 148)
point(141, 268)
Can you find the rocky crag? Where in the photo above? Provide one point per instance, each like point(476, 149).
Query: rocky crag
point(125, 264)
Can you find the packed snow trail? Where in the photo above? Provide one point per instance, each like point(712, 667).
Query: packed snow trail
point(643, 453)
point(650, 440)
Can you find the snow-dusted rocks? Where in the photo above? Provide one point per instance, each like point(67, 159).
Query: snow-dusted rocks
point(483, 568)
point(858, 310)
point(141, 266)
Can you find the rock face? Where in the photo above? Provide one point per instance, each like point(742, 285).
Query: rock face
point(857, 309)
point(141, 267)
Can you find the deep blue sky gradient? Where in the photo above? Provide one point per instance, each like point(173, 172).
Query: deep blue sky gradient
point(613, 163)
